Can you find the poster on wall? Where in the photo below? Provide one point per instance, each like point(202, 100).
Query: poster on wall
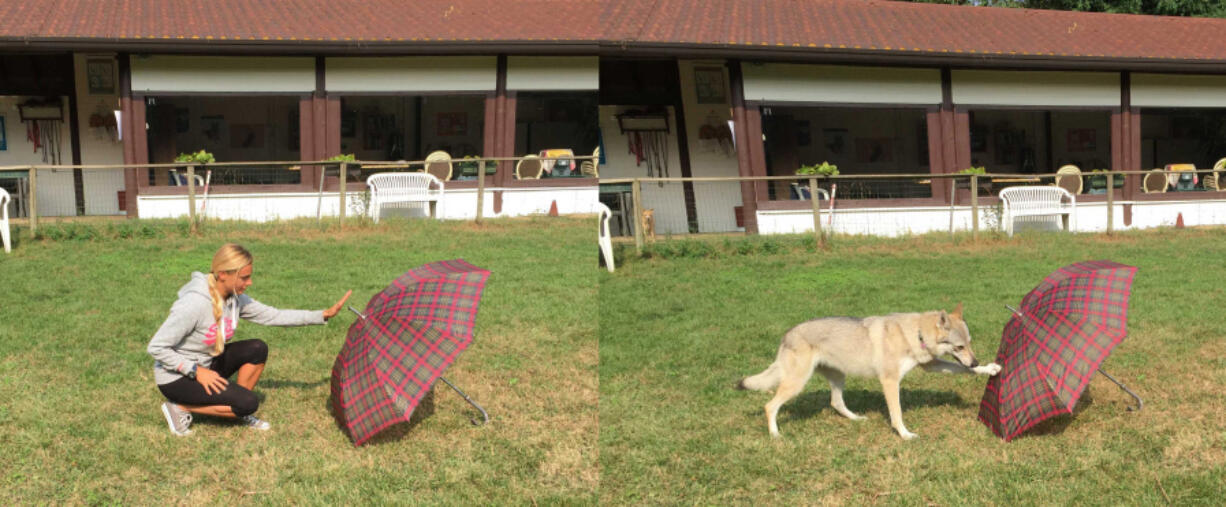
point(4, 140)
point(212, 127)
point(101, 76)
point(452, 124)
point(709, 85)
point(874, 149)
point(247, 135)
point(1081, 140)
point(835, 140)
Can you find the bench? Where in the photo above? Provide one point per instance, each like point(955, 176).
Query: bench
point(1037, 201)
point(413, 189)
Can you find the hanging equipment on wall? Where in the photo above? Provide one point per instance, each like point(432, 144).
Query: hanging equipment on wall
point(43, 119)
point(647, 139)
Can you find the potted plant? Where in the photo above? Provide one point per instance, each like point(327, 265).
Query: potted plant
point(353, 170)
point(801, 190)
point(196, 157)
point(470, 165)
point(1098, 181)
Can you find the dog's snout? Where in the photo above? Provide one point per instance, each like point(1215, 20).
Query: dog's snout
point(974, 363)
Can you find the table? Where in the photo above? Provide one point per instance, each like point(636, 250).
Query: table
point(17, 183)
point(619, 198)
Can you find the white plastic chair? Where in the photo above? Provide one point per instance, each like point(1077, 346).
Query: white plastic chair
point(4, 220)
point(414, 189)
point(602, 236)
point(180, 180)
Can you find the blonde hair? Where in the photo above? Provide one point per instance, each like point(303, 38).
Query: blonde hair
point(229, 259)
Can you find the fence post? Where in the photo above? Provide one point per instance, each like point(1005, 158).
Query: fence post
point(344, 177)
point(817, 214)
point(636, 221)
point(1110, 203)
point(191, 196)
point(33, 200)
point(480, 190)
point(974, 206)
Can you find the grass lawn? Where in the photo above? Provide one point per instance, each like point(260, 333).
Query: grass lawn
point(679, 329)
point(80, 423)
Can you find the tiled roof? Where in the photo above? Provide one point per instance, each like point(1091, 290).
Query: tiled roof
point(302, 20)
point(860, 26)
point(887, 26)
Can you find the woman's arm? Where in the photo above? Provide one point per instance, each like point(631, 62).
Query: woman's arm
point(261, 313)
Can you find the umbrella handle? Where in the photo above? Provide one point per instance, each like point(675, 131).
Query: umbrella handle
point(484, 415)
point(1140, 403)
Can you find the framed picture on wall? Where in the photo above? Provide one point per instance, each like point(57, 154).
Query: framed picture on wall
point(247, 135)
point(835, 141)
point(874, 149)
point(101, 76)
point(709, 85)
point(452, 124)
point(1082, 140)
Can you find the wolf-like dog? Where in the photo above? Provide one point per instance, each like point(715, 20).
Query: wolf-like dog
point(886, 347)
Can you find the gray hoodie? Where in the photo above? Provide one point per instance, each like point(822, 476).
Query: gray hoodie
point(187, 336)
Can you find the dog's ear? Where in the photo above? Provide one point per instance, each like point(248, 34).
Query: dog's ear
point(957, 313)
point(944, 320)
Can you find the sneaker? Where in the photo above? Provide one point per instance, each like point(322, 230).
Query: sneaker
point(254, 422)
point(177, 418)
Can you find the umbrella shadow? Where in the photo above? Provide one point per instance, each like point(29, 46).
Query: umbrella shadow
point(807, 405)
point(395, 432)
point(1057, 424)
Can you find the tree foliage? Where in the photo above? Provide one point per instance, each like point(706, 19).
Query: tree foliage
point(1196, 8)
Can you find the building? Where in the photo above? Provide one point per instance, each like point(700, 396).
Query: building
point(671, 87)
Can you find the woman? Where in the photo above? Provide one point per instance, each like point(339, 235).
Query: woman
point(193, 358)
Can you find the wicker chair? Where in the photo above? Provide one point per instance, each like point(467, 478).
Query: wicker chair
point(1154, 182)
point(529, 168)
point(1068, 177)
point(591, 168)
point(439, 164)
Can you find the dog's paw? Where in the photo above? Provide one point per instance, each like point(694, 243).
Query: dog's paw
point(907, 435)
point(990, 369)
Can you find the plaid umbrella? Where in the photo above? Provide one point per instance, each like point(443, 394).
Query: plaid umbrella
point(1064, 330)
point(410, 333)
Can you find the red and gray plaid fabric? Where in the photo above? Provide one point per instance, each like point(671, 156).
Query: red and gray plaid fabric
point(1073, 319)
point(413, 330)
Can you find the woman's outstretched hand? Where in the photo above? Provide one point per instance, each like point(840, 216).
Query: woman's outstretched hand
point(336, 308)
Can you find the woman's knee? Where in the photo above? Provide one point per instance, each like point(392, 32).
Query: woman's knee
point(256, 352)
point(245, 403)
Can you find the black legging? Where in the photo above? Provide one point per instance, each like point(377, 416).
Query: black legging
point(187, 391)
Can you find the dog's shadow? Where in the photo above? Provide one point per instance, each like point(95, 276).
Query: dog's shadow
point(860, 401)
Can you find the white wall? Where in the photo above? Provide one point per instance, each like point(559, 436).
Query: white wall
point(212, 74)
point(787, 82)
point(893, 222)
point(667, 201)
point(55, 187)
point(1035, 88)
point(457, 204)
point(99, 145)
point(715, 202)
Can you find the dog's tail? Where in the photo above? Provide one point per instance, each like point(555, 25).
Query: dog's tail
point(765, 381)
